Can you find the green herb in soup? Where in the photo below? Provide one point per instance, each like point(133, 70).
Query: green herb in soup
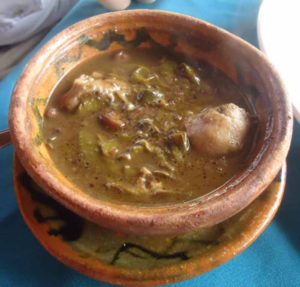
point(143, 126)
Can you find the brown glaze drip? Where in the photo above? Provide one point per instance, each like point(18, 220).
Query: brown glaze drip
point(127, 247)
point(142, 36)
point(73, 225)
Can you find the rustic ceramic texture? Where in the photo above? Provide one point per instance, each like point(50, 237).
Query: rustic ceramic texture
point(244, 64)
point(130, 260)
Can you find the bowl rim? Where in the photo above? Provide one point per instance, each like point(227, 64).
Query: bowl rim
point(178, 218)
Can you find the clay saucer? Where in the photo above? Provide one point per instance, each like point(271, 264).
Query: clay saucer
point(130, 260)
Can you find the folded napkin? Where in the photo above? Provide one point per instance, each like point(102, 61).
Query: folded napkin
point(273, 260)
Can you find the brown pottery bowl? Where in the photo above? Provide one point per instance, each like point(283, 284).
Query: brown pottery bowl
point(240, 61)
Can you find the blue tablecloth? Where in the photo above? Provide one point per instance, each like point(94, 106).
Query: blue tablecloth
point(273, 260)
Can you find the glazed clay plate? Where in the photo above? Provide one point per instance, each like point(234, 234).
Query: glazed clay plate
point(135, 260)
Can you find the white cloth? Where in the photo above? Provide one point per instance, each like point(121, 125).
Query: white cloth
point(21, 19)
point(23, 23)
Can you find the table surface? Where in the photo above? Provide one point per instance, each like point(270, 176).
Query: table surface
point(273, 260)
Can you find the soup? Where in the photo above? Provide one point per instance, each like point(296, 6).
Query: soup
point(145, 126)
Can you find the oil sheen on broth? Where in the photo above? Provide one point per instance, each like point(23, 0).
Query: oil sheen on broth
point(144, 126)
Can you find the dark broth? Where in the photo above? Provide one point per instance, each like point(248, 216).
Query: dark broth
point(164, 94)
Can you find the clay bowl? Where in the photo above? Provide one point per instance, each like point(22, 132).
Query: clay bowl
point(128, 260)
point(243, 63)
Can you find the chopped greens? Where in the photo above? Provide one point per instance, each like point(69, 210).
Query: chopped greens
point(116, 126)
